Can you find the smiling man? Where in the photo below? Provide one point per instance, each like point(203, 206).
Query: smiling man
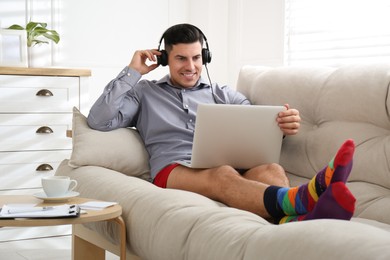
point(186, 64)
point(164, 112)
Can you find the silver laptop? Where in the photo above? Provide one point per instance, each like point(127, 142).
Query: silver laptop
point(242, 136)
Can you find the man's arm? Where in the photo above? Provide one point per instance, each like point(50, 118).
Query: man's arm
point(228, 95)
point(118, 104)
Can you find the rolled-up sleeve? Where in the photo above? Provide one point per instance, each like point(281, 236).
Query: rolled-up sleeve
point(118, 105)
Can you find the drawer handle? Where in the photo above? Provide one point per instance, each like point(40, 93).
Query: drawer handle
point(44, 93)
point(44, 168)
point(44, 130)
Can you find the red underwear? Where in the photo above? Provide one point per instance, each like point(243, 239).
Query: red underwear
point(161, 178)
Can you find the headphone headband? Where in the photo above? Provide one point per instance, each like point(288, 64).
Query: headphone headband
point(163, 58)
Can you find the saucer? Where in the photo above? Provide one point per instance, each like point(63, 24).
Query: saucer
point(67, 196)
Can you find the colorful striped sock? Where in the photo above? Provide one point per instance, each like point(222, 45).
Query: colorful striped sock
point(337, 202)
point(280, 202)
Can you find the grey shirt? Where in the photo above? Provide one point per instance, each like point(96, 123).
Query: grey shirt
point(163, 114)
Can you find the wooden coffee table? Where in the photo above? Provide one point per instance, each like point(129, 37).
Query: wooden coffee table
point(81, 249)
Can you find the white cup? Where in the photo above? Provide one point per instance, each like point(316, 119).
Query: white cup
point(58, 186)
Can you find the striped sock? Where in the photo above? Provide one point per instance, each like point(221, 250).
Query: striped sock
point(337, 202)
point(301, 200)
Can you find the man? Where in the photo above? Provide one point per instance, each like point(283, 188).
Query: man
point(164, 113)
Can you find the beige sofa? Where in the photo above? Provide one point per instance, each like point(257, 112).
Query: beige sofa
point(335, 104)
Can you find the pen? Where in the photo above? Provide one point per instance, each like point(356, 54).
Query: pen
point(28, 210)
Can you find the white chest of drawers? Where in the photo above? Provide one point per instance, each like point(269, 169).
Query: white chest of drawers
point(35, 113)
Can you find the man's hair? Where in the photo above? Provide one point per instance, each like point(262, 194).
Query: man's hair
point(182, 33)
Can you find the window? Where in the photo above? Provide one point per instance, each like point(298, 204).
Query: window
point(337, 32)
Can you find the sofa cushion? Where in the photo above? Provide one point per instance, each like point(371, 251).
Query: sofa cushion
point(335, 104)
point(175, 224)
point(121, 150)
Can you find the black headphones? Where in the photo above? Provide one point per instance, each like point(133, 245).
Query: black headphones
point(163, 58)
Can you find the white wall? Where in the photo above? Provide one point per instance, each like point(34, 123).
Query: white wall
point(256, 34)
point(102, 35)
point(240, 32)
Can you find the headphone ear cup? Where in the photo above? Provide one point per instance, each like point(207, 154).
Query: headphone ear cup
point(163, 58)
point(206, 56)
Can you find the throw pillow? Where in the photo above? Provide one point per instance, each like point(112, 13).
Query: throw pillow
point(121, 150)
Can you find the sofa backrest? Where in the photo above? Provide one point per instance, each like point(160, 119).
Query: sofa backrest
point(335, 104)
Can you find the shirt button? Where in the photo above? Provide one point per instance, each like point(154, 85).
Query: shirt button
point(185, 106)
point(128, 74)
point(190, 120)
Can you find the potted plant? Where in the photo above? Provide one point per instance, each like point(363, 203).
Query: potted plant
point(35, 31)
point(36, 34)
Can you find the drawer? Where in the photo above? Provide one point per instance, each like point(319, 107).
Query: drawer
point(19, 170)
point(38, 93)
point(34, 132)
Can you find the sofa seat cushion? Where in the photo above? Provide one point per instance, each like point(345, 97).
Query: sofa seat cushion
point(173, 224)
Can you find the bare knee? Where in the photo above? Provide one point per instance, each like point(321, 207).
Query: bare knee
point(275, 168)
point(279, 174)
point(223, 174)
point(225, 169)
point(222, 178)
point(271, 174)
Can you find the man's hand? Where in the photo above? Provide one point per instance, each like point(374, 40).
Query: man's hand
point(289, 121)
point(138, 62)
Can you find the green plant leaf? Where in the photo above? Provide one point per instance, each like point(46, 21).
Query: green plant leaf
point(31, 25)
point(52, 35)
point(35, 30)
point(15, 27)
point(38, 31)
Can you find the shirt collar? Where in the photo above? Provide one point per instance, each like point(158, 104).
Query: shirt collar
point(202, 83)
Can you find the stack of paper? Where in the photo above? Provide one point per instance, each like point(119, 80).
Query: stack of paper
point(30, 211)
point(96, 205)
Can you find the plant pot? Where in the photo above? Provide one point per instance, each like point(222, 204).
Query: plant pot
point(39, 56)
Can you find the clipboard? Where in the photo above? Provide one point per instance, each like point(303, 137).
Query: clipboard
point(17, 211)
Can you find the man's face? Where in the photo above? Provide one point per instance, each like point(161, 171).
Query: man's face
point(185, 64)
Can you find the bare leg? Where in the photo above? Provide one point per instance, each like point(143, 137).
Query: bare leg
point(223, 184)
point(271, 174)
point(226, 185)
